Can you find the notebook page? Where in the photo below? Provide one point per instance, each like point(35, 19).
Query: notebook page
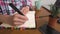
point(28, 24)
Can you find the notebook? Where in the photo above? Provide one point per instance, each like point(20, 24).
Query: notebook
point(28, 24)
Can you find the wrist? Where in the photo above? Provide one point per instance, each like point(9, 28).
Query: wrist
point(6, 19)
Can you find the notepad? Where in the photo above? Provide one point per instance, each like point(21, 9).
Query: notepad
point(28, 24)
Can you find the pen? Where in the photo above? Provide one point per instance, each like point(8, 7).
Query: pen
point(16, 9)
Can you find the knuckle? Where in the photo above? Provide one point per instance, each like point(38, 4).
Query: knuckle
point(14, 19)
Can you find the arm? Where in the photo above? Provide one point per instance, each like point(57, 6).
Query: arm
point(16, 19)
point(6, 19)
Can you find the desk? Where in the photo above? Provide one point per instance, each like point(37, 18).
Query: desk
point(39, 21)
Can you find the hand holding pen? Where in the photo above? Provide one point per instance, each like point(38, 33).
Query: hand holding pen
point(20, 18)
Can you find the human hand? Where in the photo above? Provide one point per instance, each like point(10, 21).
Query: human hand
point(20, 19)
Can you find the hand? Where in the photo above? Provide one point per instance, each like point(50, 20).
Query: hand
point(16, 19)
point(20, 19)
point(25, 10)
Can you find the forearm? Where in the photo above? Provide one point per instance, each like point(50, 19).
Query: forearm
point(5, 19)
point(2, 18)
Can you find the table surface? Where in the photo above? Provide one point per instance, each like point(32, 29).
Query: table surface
point(39, 21)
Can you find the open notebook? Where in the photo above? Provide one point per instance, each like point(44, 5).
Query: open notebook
point(28, 24)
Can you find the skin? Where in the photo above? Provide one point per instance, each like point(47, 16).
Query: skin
point(16, 19)
point(20, 19)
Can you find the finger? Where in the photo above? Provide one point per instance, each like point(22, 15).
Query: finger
point(27, 7)
point(19, 20)
point(25, 10)
point(21, 17)
point(18, 23)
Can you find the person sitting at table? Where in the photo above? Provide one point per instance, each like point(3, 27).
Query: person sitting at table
point(9, 15)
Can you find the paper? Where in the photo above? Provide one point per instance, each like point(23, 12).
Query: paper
point(28, 24)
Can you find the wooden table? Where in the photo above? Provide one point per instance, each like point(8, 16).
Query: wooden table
point(39, 21)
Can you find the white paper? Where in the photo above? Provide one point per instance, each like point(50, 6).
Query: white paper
point(28, 24)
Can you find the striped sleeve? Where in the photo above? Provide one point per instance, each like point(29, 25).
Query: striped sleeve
point(0, 8)
point(29, 2)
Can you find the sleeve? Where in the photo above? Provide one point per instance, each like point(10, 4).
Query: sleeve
point(0, 10)
point(29, 3)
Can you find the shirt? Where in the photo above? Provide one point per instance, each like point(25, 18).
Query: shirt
point(5, 9)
